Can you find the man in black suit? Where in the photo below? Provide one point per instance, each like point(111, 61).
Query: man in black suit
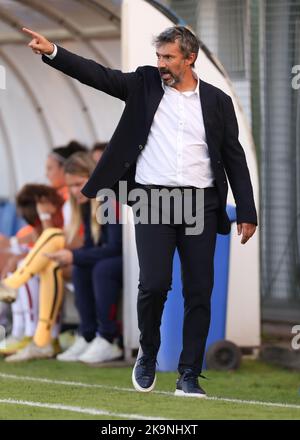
point(176, 131)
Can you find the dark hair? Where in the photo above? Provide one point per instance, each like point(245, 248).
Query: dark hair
point(188, 42)
point(28, 197)
point(64, 152)
point(99, 146)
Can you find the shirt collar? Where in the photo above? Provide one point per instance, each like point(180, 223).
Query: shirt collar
point(187, 93)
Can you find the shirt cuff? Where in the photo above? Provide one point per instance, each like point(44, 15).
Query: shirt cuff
point(53, 54)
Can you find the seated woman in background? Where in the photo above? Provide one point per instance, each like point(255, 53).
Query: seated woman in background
point(24, 240)
point(47, 220)
point(55, 173)
point(97, 271)
point(56, 176)
point(97, 274)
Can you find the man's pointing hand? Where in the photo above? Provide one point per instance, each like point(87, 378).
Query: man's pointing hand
point(39, 44)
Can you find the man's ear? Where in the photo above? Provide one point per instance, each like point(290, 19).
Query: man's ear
point(191, 59)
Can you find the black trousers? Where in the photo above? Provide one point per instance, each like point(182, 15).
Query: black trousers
point(156, 244)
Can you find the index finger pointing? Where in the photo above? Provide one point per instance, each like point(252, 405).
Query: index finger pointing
point(30, 32)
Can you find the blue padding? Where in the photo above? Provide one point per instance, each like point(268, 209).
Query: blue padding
point(231, 212)
point(10, 222)
point(172, 321)
point(219, 295)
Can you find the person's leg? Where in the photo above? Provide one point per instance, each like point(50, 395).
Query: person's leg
point(29, 295)
point(4, 314)
point(197, 257)
point(16, 337)
point(155, 247)
point(18, 319)
point(107, 282)
point(50, 301)
point(85, 301)
point(56, 329)
point(86, 306)
point(51, 240)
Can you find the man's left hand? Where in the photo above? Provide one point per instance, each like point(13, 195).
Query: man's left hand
point(247, 230)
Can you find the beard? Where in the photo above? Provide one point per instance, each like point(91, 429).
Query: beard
point(169, 80)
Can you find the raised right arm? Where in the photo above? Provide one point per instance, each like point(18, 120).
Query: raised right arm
point(89, 72)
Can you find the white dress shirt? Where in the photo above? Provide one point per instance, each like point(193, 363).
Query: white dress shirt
point(176, 152)
point(53, 54)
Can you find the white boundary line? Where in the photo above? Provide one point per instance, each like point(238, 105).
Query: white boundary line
point(115, 388)
point(78, 409)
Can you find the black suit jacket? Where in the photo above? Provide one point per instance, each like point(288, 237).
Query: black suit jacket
point(142, 92)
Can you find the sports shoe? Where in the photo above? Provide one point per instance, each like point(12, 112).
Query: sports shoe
point(73, 353)
point(187, 385)
point(66, 339)
point(13, 347)
point(5, 343)
point(100, 350)
point(7, 294)
point(32, 351)
point(143, 373)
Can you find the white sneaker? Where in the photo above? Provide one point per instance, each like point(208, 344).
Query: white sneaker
point(100, 350)
point(32, 351)
point(12, 340)
point(73, 353)
point(6, 343)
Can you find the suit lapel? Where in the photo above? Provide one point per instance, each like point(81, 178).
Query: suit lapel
point(207, 110)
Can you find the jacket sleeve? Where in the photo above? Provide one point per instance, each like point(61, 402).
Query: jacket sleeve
point(236, 168)
point(87, 256)
point(89, 72)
